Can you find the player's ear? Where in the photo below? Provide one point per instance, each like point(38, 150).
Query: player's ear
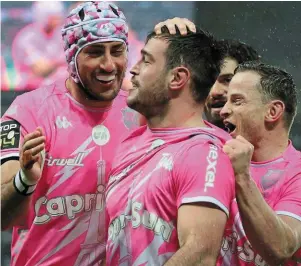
point(179, 76)
point(275, 110)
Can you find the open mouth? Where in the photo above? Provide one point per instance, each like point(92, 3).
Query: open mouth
point(218, 104)
point(229, 127)
point(106, 79)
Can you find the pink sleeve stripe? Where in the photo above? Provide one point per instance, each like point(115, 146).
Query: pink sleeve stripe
point(206, 199)
point(289, 214)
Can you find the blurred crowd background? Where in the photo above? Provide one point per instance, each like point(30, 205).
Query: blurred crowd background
point(32, 53)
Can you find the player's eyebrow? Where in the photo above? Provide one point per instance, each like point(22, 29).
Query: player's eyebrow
point(102, 46)
point(145, 53)
point(226, 75)
point(237, 95)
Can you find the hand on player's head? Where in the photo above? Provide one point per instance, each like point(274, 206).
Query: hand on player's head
point(181, 23)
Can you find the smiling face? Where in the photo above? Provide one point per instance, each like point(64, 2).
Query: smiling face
point(149, 93)
point(218, 93)
point(101, 67)
point(245, 111)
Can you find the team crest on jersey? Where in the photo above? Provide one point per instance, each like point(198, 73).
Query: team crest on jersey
point(101, 135)
point(10, 135)
point(130, 118)
point(271, 178)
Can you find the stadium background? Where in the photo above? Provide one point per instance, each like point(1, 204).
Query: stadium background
point(272, 28)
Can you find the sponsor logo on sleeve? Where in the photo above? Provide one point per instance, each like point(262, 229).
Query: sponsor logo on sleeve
point(211, 167)
point(10, 135)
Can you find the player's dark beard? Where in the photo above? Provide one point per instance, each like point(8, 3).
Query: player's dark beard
point(151, 103)
point(214, 120)
point(217, 122)
point(153, 110)
point(220, 124)
point(88, 93)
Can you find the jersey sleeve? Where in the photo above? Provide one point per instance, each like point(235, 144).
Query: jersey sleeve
point(290, 199)
point(15, 124)
point(205, 174)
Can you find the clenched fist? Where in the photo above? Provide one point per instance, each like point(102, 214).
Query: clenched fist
point(240, 152)
point(30, 156)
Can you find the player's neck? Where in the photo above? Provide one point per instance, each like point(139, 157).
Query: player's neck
point(81, 97)
point(271, 146)
point(179, 115)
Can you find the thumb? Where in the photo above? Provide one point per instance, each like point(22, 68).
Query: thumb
point(241, 138)
point(40, 130)
point(227, 149)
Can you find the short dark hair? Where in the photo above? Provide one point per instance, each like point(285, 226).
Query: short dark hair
point(275, 84)
point(199, 52)
point(239, 51)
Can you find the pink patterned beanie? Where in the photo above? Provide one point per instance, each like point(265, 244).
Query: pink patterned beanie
point(92, 22)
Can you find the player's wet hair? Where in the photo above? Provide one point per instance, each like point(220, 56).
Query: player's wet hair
point(199, 52)
point(239, 51)
point(275, 84)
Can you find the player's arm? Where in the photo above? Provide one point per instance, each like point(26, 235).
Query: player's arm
point(275, 237)
point(19, 179)
point(204, 185)
point(9, 196)
point(200, 232)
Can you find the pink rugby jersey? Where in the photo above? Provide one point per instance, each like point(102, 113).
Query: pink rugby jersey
point(65, 224)
point(279, 181)
point(153, 174)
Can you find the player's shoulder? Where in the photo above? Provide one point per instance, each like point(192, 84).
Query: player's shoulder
point(200, 153)
point(200, 146)
point(292, 168)
point(206, 137)
point(35, 105)
point(36, 99)
point(218, 132)
point(134, 134)
point(292, 157)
